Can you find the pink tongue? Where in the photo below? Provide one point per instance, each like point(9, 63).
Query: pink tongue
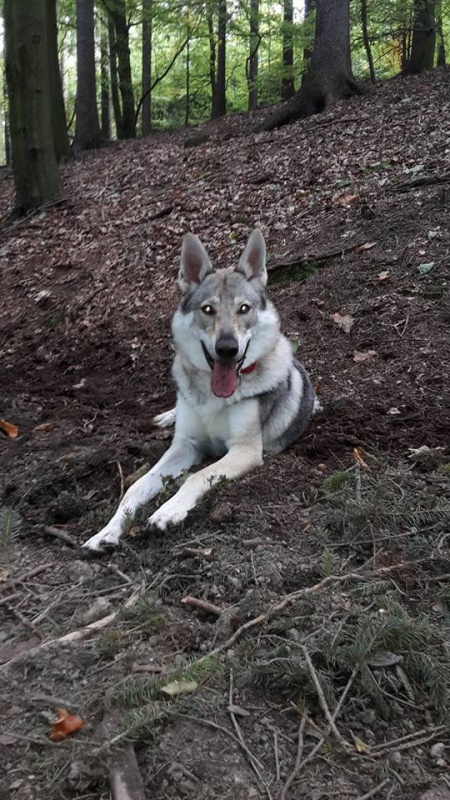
point(224, 380)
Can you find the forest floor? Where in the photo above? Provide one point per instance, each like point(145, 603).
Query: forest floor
point(337, 549)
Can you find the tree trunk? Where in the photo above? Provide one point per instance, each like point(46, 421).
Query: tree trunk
point(440, 36)
point(188, 85)
point(252, 61)
point(287, 80)
point(6, 131)
point(61, 141)
point(104, 78)
point(366, 40)
point(330, 75)
point(310, 7)
point(118, 13)
point(114, 79)
point(87, 129)
point(212, 52)
point(146, 67)
point(35, 167)
point(219, 105)
point(424, 38)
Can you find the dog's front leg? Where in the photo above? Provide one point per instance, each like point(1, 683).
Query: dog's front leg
point(181, 455)
point(240, 459)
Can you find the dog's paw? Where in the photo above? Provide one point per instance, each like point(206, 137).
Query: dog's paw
point(166, 419)
point(169, 514)
point(103, 541)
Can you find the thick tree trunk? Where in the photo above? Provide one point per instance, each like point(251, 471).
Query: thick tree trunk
point(330, 75)
point(35, 167)
point(219, 104)
point(424, 38)
point(61, 141)
point(287, 79)
point(118, 14)
point(146, 67)
point(310, 7)
point(252, 61)
point(87, 129)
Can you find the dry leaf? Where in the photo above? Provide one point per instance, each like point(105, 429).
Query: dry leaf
point(358, 356)
point(367, 246)
point(357, 456)
point(345, 321)
point(64, 725)
point(179, 687)
point(4, 575)
point(346, 199)
point(360, 746)
point(44, 427)
point(7, 427)
point(384, 275)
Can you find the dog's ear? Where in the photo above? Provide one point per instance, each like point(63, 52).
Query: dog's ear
point(195, 263)
point(252, 262)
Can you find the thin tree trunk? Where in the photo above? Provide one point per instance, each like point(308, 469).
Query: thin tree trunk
point(310, 7)
point(188, 85)
point(146, 66)
point(366, 40)
point(105, 123)
point(441, 61)
point(6, 130)
point(87, 129)
point(114, 79)
point(61, 141)
point(287, 80)
point(212, 53)
point(252, 61)
point(35, 167)
point(219, 96)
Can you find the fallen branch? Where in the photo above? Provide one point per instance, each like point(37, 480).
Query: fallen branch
point(293, 775)
point(416, 183)
point(303, 261)
point(124, 777)
point(73, 637)
point(323, 702)
point(202, 605)
point(50, 530)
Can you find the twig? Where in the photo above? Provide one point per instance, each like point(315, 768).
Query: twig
point(298, 760)
point(115, 569)
point(33, 572)
point(5, 600)
point(284, 603)
point(23, 620)
point(374, 791)
point(277, 756)
point(394, 742)
point(322, 700)
point(202, 605)
point(122, 480)
point(60, 534)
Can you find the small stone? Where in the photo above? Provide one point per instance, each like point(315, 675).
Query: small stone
point(65, 507)
point(395, 759)
point(80, 571)
point(437, 750)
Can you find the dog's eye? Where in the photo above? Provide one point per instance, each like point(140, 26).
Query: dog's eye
point(208, 310)
point(244, 309)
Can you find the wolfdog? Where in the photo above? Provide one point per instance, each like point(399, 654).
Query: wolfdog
point(240, 391)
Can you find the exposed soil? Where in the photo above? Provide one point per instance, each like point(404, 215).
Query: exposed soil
point(88, 288)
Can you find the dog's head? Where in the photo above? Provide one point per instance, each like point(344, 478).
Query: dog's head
point(221, 311)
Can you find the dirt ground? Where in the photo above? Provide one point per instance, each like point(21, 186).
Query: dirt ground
point(354, 205)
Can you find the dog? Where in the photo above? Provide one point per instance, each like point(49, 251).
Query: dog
point(240, 391)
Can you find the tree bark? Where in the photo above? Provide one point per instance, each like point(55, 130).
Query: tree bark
point(329, 77)
point(114, 79)
point(146, 67)
point(423, 39)
point(35, 167)
point(219, 104)
point(441, 60)
point(310, 7)
point(105, 123)
point(287, 80)
point(61, 141)
point(366, 40)
point(252, 61)
point(117, 9)
point(88, 134)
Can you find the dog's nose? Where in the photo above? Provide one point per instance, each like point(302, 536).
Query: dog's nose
point(227, 347)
